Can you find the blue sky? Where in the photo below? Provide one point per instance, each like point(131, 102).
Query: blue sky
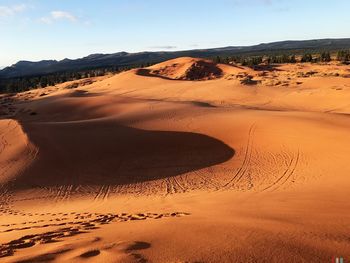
point(45, 29)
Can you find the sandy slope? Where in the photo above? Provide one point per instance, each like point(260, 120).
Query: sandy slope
point(148, 166)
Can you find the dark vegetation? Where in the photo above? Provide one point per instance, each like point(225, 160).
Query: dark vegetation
point(27, 75)
point(19, 84)
point(251, 60)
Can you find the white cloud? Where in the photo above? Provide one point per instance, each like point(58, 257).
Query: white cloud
point(58, 15)
point(63, 15)
point(45, 20)
point(163, 47)
point(19, 8)
point(6, 11)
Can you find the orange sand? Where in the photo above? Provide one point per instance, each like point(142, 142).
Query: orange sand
point(150, 166)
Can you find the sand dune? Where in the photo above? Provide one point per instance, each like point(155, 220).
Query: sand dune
point(126, 155)
point(183, 69)
point(184, 161)
point(17, 151)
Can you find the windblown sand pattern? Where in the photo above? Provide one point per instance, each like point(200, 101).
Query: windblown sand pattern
point(206, 162)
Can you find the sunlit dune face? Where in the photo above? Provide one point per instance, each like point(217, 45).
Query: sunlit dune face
point(140, 165)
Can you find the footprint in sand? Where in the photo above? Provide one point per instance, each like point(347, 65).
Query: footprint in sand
point(91, 253)
point(79, 227)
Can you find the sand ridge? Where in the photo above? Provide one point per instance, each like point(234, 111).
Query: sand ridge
point(184, 69)
point(255, 159)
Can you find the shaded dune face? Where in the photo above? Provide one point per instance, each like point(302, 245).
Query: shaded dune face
point(104, 152)
point(16, 152)
point(148, 73)
point(203, 70)
point(183, 69)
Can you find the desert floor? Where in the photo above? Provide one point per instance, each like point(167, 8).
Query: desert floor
point(185, 161)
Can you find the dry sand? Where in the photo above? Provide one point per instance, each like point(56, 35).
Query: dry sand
point(185, 161)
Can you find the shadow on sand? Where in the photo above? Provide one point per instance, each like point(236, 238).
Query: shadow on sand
point(147, 73)
point(102, 152)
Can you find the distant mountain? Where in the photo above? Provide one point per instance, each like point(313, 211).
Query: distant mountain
point(27, 68)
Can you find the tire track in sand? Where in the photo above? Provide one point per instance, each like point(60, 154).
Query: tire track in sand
point(294, 162)
point(103, 193)
point(246, 161)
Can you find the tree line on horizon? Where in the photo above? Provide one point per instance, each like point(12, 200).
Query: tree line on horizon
point(13, 85)
point(342, 56)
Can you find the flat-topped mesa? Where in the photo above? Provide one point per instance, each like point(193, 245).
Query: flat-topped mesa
point(185, 68)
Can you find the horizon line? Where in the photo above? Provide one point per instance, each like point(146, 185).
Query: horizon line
point(175, 50)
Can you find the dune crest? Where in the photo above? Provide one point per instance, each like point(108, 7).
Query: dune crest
point(17, 152)
point(151, 166)
point(185, 68)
